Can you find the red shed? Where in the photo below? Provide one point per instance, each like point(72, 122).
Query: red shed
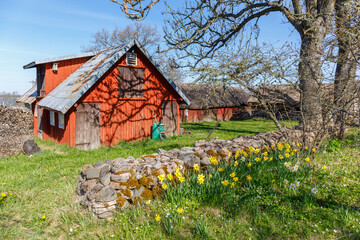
point(98, 98)
point(210, 103)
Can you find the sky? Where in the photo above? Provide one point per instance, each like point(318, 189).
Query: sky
point(36, 29)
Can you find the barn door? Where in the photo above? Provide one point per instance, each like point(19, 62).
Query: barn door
point(40, 122)
point(88, 126)
point(169, 117)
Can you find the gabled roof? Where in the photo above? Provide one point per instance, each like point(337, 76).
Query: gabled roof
point(28, 97)
point(69, 91)
point(56, 59)
point(204, 96)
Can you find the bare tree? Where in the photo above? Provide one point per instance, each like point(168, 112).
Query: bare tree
point(204, 26)
point(147, 35)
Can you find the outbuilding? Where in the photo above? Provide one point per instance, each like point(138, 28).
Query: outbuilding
point(211, 103)
point(100, 98)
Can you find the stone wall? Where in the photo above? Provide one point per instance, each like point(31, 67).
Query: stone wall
point(106, 186)
point(16, 127)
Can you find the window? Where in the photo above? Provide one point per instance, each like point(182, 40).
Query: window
point(131, 58)
point(40, 81)
point(131, 82)
point(61, 120)
point(52, 118)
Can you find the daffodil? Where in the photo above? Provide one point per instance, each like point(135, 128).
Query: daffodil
point(292, 153)
point(287, 155)
point(251, 149)
point(233, 174)
point(313, 150)
point(220, 169)
point(249, 164)
point(232, 184)
point(170, 176)
point(181, 179)
point(3, 194)
point(237, 154)
point(245, 154)
point(257, 150)
point(161, 177)
point(257, 159)
point(201, 178)
point(43, 217)
point(210, 175)
point(148, 202)
point(281, 156)
point(213, 160)
point(266, 158)
point(236, 163)
point(236, 179)
point(180, 210)
point(164, 186)
point(196, 167)
point(249, 178)
point(157, 218)
point(225, 182)
point(271, 158)
point(265, 153)
point(307, 159)
point(287, 150)
point(324, 167)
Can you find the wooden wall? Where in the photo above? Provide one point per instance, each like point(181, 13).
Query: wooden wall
point(208, 115)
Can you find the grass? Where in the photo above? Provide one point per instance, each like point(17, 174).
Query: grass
point(44, 185)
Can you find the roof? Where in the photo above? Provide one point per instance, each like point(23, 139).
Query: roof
point(69, 91)
point(28, 97)
point(56, 59)
point(203, 96)
point(284, 93)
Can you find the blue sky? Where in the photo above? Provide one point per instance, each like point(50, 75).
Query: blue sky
point(38, 29)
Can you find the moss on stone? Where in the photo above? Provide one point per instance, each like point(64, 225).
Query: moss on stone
point(143, 181)
point(126, 192)
point(146, 194)
point(149, 155)
point(132, 183)
point(156, 173)
point(121, 201)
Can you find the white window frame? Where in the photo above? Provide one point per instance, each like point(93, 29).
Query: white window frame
point(52, 118)
point(61, 118)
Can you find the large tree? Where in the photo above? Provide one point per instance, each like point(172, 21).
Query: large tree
point(347, 18)
point(202, 27)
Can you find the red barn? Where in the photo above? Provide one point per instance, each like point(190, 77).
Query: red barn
point(209, 103)
point(90, 99)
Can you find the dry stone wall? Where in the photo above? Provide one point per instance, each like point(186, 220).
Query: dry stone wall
point(16, 127)
point(106, 186)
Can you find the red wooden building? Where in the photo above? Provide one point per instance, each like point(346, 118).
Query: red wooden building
point(209, 103)
point(104, 97)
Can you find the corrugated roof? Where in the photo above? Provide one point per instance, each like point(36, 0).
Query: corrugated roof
point(68, 92)
point(28, 97)
point(56, 59)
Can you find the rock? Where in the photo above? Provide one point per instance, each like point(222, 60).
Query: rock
point(120, 167)
point(30, 147)
point(92, 173)
point(224, 151)
point(122, 203)
point(124, 177)
point(98, 164)
point(99, 211)
point(186, 156)
point(105, 180)
point(117, 185)
point(87, 185)
point(103, 204)
point(106, 194)
point(104, 170)
point(91, 195)
point(106, 215)
point(205, 161)
point(85, 168)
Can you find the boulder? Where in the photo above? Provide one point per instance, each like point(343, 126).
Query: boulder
point(30, 147)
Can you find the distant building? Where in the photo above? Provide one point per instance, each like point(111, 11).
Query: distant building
point(210, 103)
point(101, 98)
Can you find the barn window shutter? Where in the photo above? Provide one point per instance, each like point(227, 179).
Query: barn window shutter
point(131, 58)
point(131, 82)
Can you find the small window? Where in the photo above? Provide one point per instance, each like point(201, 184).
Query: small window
point(131, 59)
point(61, 120)
point(131, 82)
point(52, 118)
point(36, 111)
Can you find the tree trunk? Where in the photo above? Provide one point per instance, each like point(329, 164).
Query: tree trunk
point(310, 76)
point(344, 85)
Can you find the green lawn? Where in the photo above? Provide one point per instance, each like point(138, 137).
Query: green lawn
point(44, 185)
